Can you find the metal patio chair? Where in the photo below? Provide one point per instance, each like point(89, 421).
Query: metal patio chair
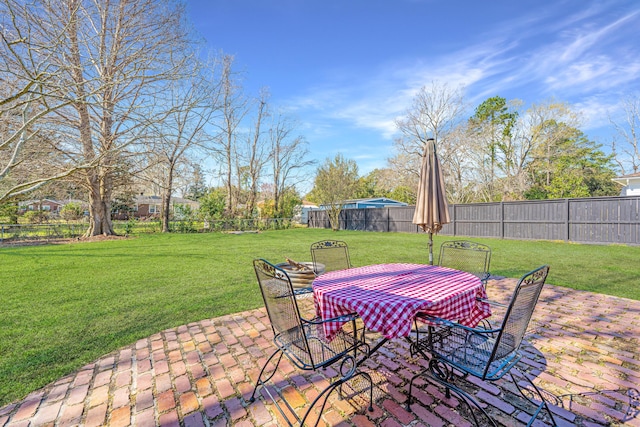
point(466, 256)
point(457, 352)
point(327, 255)
point(303, 342)
point(332, 254)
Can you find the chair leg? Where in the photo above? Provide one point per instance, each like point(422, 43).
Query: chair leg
point(543, 402)
point(262, 382)
point(324, 394)
point(410, 398)
point(351, 374)
point(441, 374)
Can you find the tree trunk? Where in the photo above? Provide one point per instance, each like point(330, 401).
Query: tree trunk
point(166, 206)
point(100, 219)
point(334, 216)
point(166, 201)
point(99, 210)
point(99, 206)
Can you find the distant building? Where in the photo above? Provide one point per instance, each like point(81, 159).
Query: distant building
point(46, 205)
point(51, 206)
point(376, 202)
point(147, 206)
point(630, 184)
point(305, 207)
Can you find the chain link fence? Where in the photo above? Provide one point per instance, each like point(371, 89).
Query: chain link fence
point(36, 233)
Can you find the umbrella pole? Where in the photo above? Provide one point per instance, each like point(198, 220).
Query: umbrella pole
point(430, 248)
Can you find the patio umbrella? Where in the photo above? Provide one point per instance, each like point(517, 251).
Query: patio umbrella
point(431, 211)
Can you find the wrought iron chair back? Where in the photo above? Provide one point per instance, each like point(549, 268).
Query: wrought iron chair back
point(333, 254)
point(519, 312)
point(303, 342)
point(282, 308)
point(466, 256)
point(487, 354)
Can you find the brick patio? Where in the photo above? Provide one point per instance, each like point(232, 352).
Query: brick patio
point(584, 350)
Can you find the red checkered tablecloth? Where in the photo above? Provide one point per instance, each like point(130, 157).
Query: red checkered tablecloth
point(388, 296)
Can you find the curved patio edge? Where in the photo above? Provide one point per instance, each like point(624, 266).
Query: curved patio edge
point(581, 345)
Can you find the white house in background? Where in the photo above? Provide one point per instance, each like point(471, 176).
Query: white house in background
point(305, 207)
point(630, 184)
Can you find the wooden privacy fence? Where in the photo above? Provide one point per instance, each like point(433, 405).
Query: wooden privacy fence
point(588, 220)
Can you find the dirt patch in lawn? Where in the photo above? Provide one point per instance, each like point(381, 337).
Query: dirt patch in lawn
point(99, 238)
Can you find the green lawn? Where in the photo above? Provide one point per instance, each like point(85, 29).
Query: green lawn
point(66, 305)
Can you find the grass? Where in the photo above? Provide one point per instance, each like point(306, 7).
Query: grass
point(64, 306)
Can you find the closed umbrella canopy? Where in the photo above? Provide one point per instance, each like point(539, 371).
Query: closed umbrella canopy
point(432, 211)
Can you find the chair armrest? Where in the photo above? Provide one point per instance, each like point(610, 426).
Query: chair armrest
point(319, 321)
point(445, 323)
point(491, 302)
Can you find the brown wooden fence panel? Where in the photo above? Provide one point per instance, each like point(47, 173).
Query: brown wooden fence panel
point(353, 219)
point(377, 219)
point(588, 220)
point(537, 220)
point(400, 219)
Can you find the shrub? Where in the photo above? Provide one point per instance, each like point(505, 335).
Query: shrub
point(9, 213)
point(36, 217)
point(212, 205)
point(183, 213)
point(130, 225)
point(71, 211)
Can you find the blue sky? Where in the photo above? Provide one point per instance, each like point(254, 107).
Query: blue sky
point(346, 69)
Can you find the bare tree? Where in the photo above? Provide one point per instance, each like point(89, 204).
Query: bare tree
point(459, 158)
point(436, 112)
point(288, 158)
point(117, 55)
point(255, 153)
point(190, 104)
point(233, 106)
point(30, 91)
point(627, 151)
point(545, 127)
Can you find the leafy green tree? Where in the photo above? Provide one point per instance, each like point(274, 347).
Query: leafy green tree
point(336, 181)
point(370, 186)
point(493, 123)
point(404, 194)
point(198, 187)
point(573, 167)
point(268, 209)
point(376, 184)
point(212, 206)
point(123, 206)
point(289, 200)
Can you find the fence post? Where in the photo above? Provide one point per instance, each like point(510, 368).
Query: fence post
point(567, 212)
point(388, 219)
point(453, 220)
point(502, 220)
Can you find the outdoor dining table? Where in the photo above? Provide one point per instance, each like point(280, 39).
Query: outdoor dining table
point(387, 297)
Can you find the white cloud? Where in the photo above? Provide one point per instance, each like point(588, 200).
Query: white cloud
point(596, 111)
point(588, 58)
